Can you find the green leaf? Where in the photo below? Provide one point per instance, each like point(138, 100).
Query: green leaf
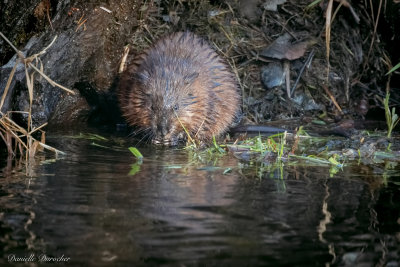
point(217, 147)
point(95, 144)
point(318, 122)
point(136, 153)
point(394, 68)
point(334, 162)
point(314, 3)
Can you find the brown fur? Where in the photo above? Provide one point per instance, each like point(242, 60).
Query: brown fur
point(180, 80)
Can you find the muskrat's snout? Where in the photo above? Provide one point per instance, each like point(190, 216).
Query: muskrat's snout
point(161, 130)
point(166, 142)
point(164, 132)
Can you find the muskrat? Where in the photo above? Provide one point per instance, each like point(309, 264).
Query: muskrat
point(178, 87)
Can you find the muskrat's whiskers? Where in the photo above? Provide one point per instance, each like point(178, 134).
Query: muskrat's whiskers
point(140, 140)
point(139, 131)
point(147, 136)
point(150, 137)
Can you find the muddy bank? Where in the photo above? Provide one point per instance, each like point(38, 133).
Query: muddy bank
point(91, 38)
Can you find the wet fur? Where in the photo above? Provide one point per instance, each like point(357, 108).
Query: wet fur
point(181, 76)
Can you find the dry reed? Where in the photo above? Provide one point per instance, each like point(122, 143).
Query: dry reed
point(19, 139)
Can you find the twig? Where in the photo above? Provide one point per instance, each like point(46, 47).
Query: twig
point(106, 9)
point(8, 85)
point(50, 80)
point(373, 35)
point(286, 69)
point(332, 98)
point(47, 47)
point(51, 148)
point(80, 24)
point(48, 5)
point(328, 24)
point(8, 126)
point(12, 46)
point(122, 66)
point(38, 128)
point(310, 57)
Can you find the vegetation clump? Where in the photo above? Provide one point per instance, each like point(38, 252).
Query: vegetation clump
point(17, 138)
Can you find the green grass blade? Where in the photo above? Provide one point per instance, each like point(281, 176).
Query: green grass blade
point(136, 153)
point(393, 69)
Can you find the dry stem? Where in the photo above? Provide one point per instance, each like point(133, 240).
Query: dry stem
point(10, 131)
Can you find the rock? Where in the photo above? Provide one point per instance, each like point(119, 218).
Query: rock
point(272, 75)
point(250, 10)
point(88, 48)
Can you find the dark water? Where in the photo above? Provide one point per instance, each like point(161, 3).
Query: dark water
point(85, 209)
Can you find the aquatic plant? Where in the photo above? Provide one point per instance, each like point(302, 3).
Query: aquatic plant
point(135, 168)
point(136, 153)
point(391, 117)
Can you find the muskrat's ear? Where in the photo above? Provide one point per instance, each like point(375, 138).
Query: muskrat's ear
point(189, 79)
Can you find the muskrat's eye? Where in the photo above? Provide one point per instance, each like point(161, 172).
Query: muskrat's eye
point(176, 107)
point(149, 105)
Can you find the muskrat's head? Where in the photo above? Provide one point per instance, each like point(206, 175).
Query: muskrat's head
point(168, 103)
point(164, 123)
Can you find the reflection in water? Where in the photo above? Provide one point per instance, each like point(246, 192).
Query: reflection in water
point(87, 207)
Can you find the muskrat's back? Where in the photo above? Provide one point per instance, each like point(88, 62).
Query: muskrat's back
point(179, 85)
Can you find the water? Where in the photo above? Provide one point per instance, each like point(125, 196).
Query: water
point(86, 209)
